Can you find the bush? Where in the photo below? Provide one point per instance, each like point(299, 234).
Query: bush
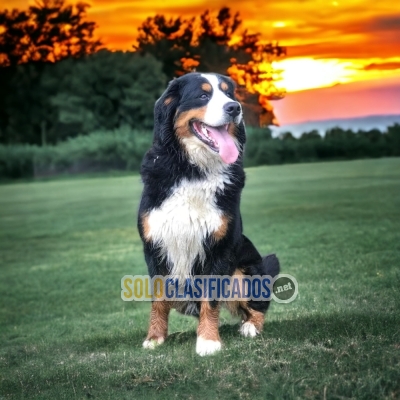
point(17, 161)
point(121, 149)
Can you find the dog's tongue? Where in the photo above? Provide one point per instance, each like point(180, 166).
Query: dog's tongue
point(227, 148)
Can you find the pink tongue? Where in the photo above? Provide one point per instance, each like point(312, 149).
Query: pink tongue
point(227, 148)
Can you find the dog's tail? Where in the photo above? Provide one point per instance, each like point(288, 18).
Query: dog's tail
point(270, 265)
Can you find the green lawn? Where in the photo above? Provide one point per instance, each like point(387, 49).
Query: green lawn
point(66, 333)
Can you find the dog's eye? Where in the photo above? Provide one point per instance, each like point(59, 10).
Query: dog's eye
point(204, 96)
point(230, 95)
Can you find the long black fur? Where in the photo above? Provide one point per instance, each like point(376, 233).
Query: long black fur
point(166, 164)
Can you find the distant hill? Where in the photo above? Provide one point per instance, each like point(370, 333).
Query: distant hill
point(373, 121)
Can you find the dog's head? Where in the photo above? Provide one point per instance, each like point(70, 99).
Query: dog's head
point(199, 112)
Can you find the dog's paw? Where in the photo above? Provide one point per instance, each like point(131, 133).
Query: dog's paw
point(206, 347)
point(248, 330)
point(153, 343)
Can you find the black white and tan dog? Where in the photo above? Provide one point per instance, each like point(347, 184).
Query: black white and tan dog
point(189, 215)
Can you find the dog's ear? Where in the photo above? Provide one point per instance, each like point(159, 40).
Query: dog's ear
point(164, 112)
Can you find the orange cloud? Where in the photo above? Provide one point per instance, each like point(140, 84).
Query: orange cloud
point(383, 66)
point(347, 40)
point(318, 28)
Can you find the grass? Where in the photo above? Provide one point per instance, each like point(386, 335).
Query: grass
point(66, 333)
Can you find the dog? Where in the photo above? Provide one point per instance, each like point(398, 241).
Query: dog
point(189, 215)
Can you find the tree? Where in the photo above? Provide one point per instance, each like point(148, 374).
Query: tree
point(258, 75)
point(49, 31)
point(30, 40)
point(214, 43)
point(186, 44)
point(312, 135)
point(28, 114)
point(107, 90)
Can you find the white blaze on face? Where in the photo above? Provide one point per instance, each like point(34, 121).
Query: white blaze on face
point(215, 115)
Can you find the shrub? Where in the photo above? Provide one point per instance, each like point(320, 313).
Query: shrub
point(17, 161)
point(121, 149)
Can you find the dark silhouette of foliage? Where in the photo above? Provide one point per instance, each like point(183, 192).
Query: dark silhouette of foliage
point(104, 90)
point(210, 43)
point(30, 40)
point(201, 43)
point(49, 31)
point(214, 43)
point(314, 134)
point(107, 90)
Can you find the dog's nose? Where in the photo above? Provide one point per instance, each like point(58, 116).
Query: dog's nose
point(232, 108)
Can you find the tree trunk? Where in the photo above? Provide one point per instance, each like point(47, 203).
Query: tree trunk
point(43, 132)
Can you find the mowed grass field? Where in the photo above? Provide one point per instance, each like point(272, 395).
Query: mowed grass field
point(66, 333)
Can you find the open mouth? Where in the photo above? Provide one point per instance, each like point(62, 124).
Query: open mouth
point(205, 134)
point(218, 139)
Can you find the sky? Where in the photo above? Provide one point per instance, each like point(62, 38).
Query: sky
point(352, 47)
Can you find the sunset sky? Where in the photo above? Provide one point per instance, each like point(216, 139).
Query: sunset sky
point(328, 42)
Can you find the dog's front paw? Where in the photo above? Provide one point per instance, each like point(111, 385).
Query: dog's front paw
point(206, 347)
point(248, 330)
point(152, 343)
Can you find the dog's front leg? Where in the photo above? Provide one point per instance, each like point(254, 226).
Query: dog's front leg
point(158, 329)
point(208, 340)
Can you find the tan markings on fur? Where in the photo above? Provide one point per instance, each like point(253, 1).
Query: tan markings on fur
point(255, 317)
point(167, 101)
point(224, 86)
point(232, 130)
point(240, 307)
point(206, 87)
point(236, 307)
point(221, 232)
point(182, 128)
point(146, 226)
point(208, 324)
point(158, 320)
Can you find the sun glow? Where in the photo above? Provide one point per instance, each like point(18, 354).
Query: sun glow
point(307, 73)
point(279, 24)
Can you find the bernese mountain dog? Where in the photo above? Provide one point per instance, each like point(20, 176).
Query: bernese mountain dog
point(189, 215)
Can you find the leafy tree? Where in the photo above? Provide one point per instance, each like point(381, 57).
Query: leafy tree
point(257, 75)
point(287, 136)
point(312, 135)
point(393, 140)
point(214, 43)
point(167, 40)
point(186, 44)
point(49, 31)
point(107, 90)
point(28, 114)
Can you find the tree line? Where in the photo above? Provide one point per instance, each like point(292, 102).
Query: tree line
point(58, 80)
point(123, 149)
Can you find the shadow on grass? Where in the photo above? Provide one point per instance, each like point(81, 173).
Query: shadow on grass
point(325, 329)
point(314, 328)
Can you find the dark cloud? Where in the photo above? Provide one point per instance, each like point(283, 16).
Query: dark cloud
point(385, 22)
point(382, 66)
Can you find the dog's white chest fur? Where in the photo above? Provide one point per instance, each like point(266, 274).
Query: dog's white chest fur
point(182, 222)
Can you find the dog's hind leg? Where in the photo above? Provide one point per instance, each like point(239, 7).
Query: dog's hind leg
point(253, 323)
point(208, 340)
point(254, 311)
point(158, 329)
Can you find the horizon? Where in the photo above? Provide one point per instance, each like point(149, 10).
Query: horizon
point(329, 45)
